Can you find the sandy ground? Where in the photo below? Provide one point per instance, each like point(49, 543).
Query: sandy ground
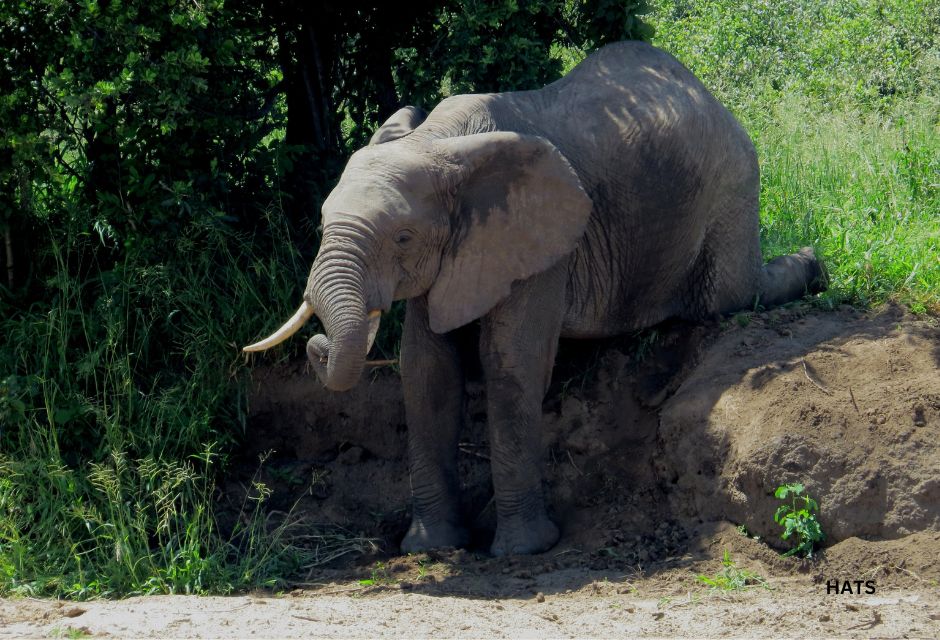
point(611, 607)
point(552, 595)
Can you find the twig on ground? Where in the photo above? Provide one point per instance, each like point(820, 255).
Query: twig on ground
point(854, 404)
point(572, 462)
point(381, 363)
point(898, 567)
point(294, 615)
point(816, 384)
point(331, 592)
point(869, 624)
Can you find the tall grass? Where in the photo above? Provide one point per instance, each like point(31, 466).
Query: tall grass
point(116, 406)
point(863, 188)
point(842, 99)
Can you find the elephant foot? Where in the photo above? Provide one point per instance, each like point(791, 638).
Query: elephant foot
point(524, 536)
point(421, 537)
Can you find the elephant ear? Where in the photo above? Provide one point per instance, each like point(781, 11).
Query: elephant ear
point(520, 208)
point(402, 122)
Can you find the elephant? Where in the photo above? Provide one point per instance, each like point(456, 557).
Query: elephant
point(615, 198)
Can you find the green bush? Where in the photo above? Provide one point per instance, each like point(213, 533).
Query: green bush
point(844, 52)
point(123, 397)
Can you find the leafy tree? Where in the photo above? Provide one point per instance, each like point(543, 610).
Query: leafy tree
point(158, 162)
point(349, 65)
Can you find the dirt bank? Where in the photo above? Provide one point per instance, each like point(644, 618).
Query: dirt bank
point(658, 448)
point(648, 437)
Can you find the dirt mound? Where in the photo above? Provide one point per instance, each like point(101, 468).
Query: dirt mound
point(845, 403)
point(647, 438)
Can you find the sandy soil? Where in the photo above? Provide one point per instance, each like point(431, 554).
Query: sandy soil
point(660, 449)
point(458, 595)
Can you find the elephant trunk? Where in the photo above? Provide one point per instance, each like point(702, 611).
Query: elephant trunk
point(336, 290)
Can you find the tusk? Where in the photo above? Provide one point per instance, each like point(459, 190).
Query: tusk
point(292, 326)
point(375, 317)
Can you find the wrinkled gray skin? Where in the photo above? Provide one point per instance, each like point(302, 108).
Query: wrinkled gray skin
point(617, 197)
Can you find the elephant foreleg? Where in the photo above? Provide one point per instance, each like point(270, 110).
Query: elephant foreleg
point(518, 342)
point(433, 382)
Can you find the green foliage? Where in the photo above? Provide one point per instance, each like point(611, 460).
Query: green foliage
point(506, 45)
point(863, 189)
point(844, 51)
point(131, 120)
point(117, 404)
point(478, 46)
point(842, 100)
point(798, 518)
point(732, 578)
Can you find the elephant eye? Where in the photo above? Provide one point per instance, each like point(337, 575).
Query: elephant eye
point(403, 237)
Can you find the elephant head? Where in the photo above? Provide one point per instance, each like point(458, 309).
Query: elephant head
point(456, 219)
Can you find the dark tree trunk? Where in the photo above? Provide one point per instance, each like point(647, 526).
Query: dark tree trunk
point(330, 49)
point(385, 94)
point(103, 157)
point(308, 61)
point(309, 79)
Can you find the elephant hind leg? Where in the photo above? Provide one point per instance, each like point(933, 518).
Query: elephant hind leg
point(790, 277)
point(737, 285)
point(730, 274)
point(725, 276)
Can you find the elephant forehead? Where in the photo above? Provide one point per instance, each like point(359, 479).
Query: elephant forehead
point(373, 184)
point(361, 196)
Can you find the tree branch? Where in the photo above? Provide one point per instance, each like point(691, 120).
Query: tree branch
point(9, 247)
point(65, 116)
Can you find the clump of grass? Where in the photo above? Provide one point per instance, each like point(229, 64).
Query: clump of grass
point(732, 578)
point(117, 404)
point(72, 633)
point(798, 519)
point(379, 575)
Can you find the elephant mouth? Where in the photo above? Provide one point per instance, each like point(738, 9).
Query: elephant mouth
point(322, 354)
point(300, 317)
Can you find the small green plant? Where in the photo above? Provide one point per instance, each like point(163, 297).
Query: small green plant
point(423, 565)
point(71, 633)
point(380, 575)
point(732, 577)
point(798, 517)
